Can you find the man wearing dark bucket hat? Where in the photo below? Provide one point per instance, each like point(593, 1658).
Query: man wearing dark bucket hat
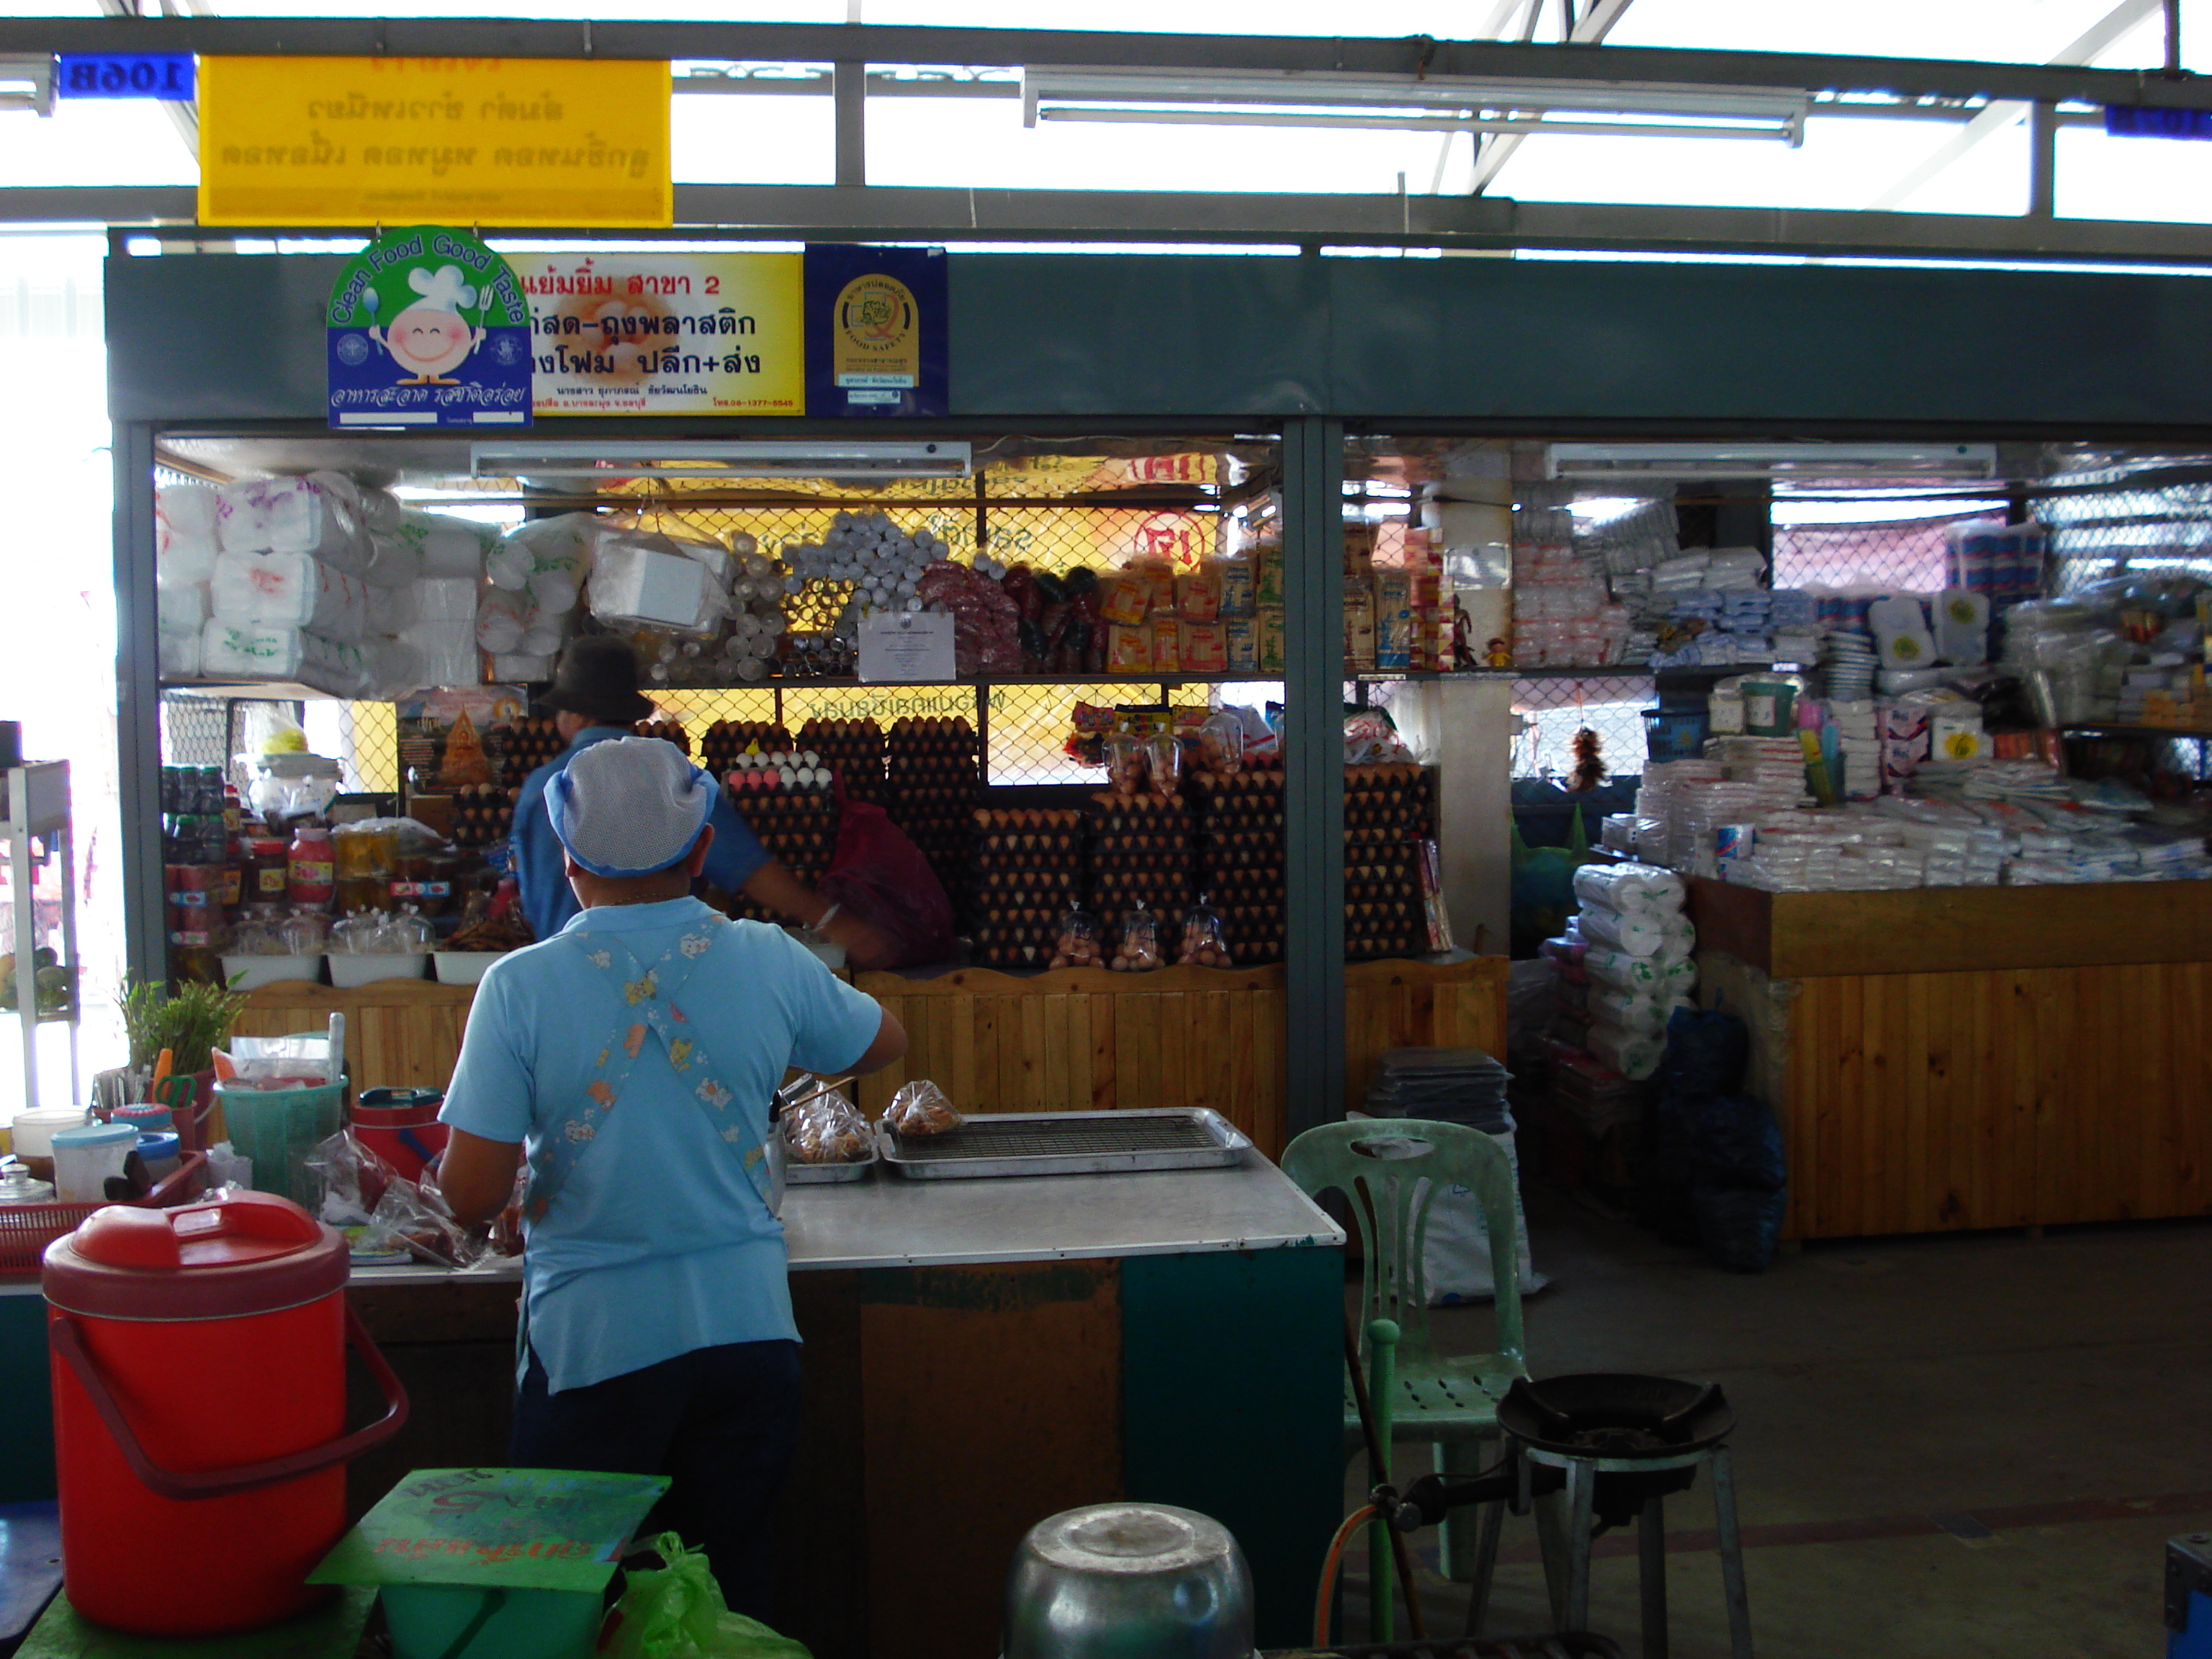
point(632, 1058)
point(595, 698)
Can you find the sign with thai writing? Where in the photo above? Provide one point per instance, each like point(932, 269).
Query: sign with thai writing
point(876, 331)
point(511, 1529)
point(470, 141)
point(665, 333)
point(428, 327)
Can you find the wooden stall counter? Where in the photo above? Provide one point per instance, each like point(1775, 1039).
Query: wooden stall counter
point(1080, 1039)
point(1944, 1058)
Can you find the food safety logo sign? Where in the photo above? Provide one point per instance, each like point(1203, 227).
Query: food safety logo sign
point(428, 327)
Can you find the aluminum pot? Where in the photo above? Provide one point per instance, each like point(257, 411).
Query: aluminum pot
point(1128, 1581)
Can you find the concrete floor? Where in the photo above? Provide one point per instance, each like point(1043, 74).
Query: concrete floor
point(1962, 1445)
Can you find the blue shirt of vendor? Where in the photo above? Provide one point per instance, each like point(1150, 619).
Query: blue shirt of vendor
point(541, 871)
point(656, 1243)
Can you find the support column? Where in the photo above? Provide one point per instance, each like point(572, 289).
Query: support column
point(1313, 782)
point(138, 707)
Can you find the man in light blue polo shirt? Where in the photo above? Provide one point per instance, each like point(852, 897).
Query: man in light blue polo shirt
point(632, 1057)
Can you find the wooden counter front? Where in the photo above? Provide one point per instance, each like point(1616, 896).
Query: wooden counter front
point(1080, 1039)
point(1946, 1059)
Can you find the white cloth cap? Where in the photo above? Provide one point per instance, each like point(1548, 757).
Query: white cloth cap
point(629, 806)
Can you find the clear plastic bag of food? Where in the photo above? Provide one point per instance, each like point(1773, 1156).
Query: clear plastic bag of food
point(1221, 743)
point(1078, 944)
point(354, 1179)
point(414, 1216)
point(826, 1129)
point(1138, 951)
point(1203, 944)
point(920, 1109)
point(1163, 761)
point(1125, 767)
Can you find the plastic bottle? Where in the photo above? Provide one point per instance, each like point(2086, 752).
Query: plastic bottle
point(310, 872)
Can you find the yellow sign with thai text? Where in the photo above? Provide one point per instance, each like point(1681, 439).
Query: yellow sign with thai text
point(456, 141)
point(615, 333)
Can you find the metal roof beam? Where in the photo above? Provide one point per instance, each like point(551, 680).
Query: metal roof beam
point(829, 212)
point(825, 43)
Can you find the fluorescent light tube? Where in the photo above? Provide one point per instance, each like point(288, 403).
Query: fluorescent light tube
point(1806, 461)
point(926, 458)
point(1316, 98)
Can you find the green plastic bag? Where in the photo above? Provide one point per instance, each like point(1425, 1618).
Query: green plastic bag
point(677, 1612)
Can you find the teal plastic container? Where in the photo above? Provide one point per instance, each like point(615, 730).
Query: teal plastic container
point(277, 1128)
point(466, 1621)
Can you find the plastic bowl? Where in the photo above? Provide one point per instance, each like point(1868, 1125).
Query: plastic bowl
point(350, 972)
point(247, 972)
point(462, 967)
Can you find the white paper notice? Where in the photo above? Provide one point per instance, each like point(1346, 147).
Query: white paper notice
point(907, 649)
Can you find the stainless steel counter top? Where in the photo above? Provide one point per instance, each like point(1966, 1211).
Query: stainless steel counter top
point(887, 1222)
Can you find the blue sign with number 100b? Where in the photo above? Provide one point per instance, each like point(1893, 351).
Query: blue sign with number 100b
point(124, 74)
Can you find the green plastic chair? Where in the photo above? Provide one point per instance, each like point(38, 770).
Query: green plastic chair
point(1390, 1171)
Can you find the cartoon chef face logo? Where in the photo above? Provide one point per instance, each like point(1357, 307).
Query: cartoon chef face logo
point(431, 337)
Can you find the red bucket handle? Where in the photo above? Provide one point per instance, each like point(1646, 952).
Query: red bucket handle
point(227, 1483)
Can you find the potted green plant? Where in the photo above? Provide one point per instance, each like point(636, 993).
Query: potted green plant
point(190, 1024)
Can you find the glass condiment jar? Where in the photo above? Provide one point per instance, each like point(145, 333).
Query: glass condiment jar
point(18, 1186)
point(267, 878)
point(310, 877)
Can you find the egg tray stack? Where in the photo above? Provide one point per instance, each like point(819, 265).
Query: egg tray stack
point(1388, 810)
point(1139, 848)
point(483, 813)
point(854, 749)
point(1240, 858)
point(1027, 867)
point(722, 746)
point(795, 821)
point(530, 744)
point(933, 789)
point(667, 731)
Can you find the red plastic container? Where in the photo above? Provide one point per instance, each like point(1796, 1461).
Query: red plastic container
point(401, 1127)
point(199, 1411)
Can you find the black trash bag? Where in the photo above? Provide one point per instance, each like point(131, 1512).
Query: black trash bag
point(1739, 1181)
point(1706, 1053)
point(1668, 1171)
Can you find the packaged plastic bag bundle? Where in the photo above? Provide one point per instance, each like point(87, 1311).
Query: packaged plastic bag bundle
point(1630, 889)
point(182, 609)
point(1639, 1013)
point(180, 656)
point(519, 667)
point(429, 544)
point(314, 514)
point(1635, 1057)
point(637, 585)
point(249, 651)
point(1638, 936)
point(289, 590)
point(184, 537)
point(1621, 970)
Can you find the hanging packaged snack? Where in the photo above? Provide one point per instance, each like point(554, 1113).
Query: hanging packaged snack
point(1158, 577)
point(1237, 586)
point(1203, 943)
point(1138, 951)
point(1078, 945)
point(826, 1129)
point(920, 1109)
point(1205, 649)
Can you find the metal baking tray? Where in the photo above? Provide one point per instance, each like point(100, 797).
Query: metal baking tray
point(796, 1173)
point(1068, 1143)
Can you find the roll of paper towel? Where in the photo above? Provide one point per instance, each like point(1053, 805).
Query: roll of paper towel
point(1638, 936)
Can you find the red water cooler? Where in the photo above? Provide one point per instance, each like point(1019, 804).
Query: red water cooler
point(199, 1411)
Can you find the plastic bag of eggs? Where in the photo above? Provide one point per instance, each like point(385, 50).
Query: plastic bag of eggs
point(787, 768)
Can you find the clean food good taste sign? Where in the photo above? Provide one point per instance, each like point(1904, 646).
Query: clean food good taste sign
point(460, 141)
